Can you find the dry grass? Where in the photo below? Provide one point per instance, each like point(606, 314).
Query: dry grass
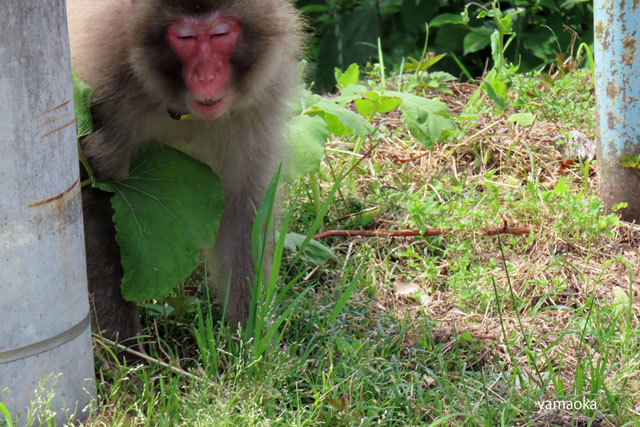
point(426, 335)
point(516, 155)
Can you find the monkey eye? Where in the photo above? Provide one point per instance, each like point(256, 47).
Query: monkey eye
point(185, 34)
point(219, 30)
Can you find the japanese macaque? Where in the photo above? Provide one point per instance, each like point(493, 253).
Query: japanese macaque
point(230, 65)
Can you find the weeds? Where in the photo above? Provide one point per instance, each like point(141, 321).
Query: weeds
point(460, 328)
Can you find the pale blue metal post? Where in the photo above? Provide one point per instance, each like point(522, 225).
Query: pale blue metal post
point(617, 59)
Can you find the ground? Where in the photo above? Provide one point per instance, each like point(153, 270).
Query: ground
point(513, 302)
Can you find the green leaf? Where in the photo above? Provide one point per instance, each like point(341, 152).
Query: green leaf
point(467, 337)
point(350, 93)
point(549, 4)
point(522, 119)
point(431, 61)
point(616, 207)
point(315, 252)
point(621, 301)
point(387, 103)
point(505, 25)
point(306, 138)
point(447, 18)
point(476, 40)
point(165, 212)
point(363, 218)
point(365, 106)
point(448, 38)
point(7, 415)
point(630, 161)
point(82, 100)
point(341, 121)
point(344, 298)
point(496, 51)
point(349, 77)
point(314, 8)
point(442, 76)
point(376, 103)
point(427, 119)
point(497, 92)
point(541, 43)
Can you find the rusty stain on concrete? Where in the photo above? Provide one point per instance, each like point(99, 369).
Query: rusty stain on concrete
point(65, 103)
point(62, 112)
point(56, 197)
point(54, 119)
point(59, 128)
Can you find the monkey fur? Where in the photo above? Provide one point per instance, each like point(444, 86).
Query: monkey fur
point(231, 64)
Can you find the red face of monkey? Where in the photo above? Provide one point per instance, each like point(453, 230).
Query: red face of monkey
point(206, 57)
point(204, 46)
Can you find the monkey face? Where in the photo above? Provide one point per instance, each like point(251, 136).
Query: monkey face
point(204, 46)
point(209, 57)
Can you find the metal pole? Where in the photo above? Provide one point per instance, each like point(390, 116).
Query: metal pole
point(45, 341)
point(617, 54)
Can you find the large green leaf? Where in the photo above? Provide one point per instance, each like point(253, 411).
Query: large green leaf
point(82, 101)
point(477, 39)
point(168, 209)
point(541, 42)
point(341, 121)
point(350, 93)
point(427, 119)
point(306, 138)
point(496, 89)
point(350, 77)
point(447, 18)
point(376, 103)
point(314, 252)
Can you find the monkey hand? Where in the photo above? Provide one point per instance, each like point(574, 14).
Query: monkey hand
point(109, 160)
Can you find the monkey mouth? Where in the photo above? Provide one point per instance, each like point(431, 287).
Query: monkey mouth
point(209, 108)
point(208, 102)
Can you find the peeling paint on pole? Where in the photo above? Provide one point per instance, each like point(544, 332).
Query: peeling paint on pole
point(617, 57)
point(45, 336)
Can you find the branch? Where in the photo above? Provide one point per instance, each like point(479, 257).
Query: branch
point(155, 361)
point(408, 159)
point(505, 229)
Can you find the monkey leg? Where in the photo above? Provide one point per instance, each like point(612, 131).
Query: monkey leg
point(112, 315)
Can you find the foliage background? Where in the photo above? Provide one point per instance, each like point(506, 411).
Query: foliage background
point(346, 31)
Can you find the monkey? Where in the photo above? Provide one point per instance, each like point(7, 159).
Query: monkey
point(228, 65)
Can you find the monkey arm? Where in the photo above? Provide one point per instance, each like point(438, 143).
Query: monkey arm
point(231, 259)
point(108, 155)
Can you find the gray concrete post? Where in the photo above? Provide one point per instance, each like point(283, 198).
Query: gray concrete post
point(45, 341)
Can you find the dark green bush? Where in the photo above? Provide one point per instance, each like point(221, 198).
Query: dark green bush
point(346, 31)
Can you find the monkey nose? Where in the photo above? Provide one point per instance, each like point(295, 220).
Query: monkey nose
point(206, 76)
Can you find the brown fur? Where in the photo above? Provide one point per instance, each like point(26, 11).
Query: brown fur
point(117, 48)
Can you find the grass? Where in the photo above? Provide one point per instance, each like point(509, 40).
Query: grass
point(456, 329)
